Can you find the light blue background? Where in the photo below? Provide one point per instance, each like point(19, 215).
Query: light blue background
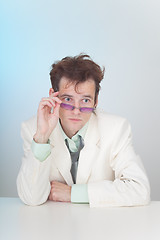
point(123, 36)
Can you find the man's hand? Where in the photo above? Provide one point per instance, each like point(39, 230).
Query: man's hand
point(47, 120)
point(60, 192)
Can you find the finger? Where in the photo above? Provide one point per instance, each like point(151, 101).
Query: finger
point(56, 109)
point(55, 99)
point(42, 104)
point(52, 102)
point(53, 183)
point(45, 104)
point(55, 93)
point(50, 196)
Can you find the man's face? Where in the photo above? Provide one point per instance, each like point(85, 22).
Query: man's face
point(83, 95)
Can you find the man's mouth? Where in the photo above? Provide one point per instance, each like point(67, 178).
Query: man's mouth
point(75, 119)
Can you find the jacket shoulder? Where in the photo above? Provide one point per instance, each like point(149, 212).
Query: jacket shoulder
point(30, 124)
point(109, 119)
point(113, 127)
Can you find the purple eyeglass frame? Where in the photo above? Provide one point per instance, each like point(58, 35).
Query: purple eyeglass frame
point(81, 109)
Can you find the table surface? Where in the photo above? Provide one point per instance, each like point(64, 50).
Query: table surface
point(56, 220)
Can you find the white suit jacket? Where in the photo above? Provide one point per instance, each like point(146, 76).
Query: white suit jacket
point(107, 163)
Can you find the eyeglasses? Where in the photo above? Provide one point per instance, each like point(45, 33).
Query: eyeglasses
point(81, 109)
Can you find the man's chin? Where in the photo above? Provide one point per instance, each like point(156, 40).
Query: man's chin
point(76, 126)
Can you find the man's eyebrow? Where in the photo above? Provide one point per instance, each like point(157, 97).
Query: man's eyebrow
point(88, 96)
point(71, 96)
point(66, 95)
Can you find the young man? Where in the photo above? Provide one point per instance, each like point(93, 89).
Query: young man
point(74, 152)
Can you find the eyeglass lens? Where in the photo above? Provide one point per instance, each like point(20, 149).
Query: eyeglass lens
point(70, 107)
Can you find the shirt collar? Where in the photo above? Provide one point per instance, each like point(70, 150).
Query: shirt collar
point(81, 132)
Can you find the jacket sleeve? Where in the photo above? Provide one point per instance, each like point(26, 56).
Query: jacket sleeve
point(130, 186)
point(33, 183)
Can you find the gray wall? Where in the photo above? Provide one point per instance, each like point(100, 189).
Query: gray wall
point(124, 36)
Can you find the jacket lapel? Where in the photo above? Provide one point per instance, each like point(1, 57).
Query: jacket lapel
point(61, 155)
point(90, 151)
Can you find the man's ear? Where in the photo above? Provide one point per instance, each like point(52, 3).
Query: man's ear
point(96, 102)
point(51, 91)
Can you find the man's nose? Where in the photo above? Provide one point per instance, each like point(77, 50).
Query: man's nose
point(76, 110)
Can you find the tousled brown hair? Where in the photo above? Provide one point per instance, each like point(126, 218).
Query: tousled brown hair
point(77, 69)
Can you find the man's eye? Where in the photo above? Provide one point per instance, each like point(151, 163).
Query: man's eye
point(85, 100)
point(67, 99)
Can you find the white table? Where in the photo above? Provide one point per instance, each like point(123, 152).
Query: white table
point(57, 221)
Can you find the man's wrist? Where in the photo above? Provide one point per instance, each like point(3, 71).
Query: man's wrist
point(38, 138)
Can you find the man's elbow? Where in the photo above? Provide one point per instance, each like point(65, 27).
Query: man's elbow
point(33, 200)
